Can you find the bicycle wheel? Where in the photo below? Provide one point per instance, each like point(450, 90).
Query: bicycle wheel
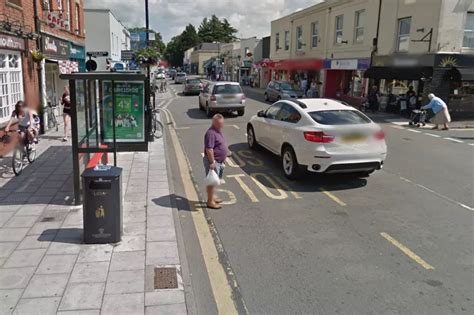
point(55, 122)
point(17, 161)
point(158, 128)
point(31, 153)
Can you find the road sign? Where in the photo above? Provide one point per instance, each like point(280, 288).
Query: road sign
point(127, 55)
point(91, 65)
point(97, 53)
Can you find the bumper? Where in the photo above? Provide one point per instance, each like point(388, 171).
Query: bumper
point(192, 91)
point(322, 162)
point(227, 108)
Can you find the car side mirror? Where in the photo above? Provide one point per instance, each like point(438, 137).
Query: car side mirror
point(261, 113)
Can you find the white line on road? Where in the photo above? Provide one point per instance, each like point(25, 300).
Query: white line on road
point(471, 144)
point(453, 140)
point(413, 130)
point(432, 135)
point(397, 127)
point(445, 197)
point(236, 127)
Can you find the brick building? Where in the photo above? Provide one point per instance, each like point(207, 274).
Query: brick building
point(60, 29)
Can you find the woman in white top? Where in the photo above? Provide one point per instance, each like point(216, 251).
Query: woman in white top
point(26, 120)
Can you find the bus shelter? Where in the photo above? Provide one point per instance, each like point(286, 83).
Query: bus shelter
point(110, 113)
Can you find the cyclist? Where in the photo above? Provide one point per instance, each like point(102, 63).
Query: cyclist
point(27, 124)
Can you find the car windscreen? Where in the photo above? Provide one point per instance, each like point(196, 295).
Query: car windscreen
point(227, 89)
point(339, 117)
point(193, 81)
point(181, 74)
point(286, 86)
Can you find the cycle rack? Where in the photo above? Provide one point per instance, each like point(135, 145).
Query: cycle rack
point(98, 101)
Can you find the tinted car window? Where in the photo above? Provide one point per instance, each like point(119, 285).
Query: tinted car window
point(273, 110)
point(286, 86)
point(271, 85)
point(181, 74)
point(276, 86)
point(339, 117)
point(288, 114)
point(193, 81)
point(227, 89)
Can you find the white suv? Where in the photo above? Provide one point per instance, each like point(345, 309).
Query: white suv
point(319, 135)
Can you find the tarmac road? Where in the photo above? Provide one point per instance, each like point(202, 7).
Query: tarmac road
point(400, 241)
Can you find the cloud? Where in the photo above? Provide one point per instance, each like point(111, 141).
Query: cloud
point(170, 17)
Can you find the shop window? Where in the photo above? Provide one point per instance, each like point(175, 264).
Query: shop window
point(69, 13)
point(11, 83)
point(299, 38)
point(77, 20)
point(59, 4)
point(287, 40)
point(359, 26)
point(314, 34)
point(339, 27)
point(403, 34)
point(277, 41)
point(468, 41)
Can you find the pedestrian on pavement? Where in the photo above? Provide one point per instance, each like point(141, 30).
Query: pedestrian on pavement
point(215, 154)
point(440, 110)
point(66, 102)
point(374, 99)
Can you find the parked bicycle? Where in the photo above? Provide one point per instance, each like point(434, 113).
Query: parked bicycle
point(25, 150)
point(156, 125)
point(52, 121)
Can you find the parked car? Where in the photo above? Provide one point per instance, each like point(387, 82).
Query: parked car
point(172, 73)
point(279, 90)
point(319, 135)
point(222, 97)
point(180, 78)
point(192, 86)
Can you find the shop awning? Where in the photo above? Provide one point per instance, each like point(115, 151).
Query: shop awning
point(467, 74)
point(398, 73)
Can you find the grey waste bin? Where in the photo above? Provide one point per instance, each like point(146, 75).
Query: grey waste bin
point(102, 210)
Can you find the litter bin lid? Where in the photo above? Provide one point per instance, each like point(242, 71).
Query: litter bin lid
point(110, 172)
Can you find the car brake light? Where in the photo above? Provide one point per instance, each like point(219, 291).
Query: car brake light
point(380, 135)
point(318, 136)
point(213, 98)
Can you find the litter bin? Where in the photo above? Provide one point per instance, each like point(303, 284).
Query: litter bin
point(102, 199)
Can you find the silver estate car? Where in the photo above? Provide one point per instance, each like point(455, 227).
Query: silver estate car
point(180, 78)
point(222, 97)
point(280, 90)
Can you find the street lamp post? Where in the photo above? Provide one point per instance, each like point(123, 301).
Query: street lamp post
point(148, 94)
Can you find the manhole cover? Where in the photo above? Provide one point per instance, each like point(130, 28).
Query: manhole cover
point(47, 219)
point(166, 278)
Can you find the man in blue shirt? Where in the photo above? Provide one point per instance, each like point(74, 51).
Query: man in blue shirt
point(440, 110)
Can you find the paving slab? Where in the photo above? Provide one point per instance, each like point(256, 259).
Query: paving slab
point(130, 281)
point(46, 286)
point(15, 278)
point(25, 258)
point(5, 217)
point(52, 264)
point(43, 306)
point(82, 296)
point(12, 234)
point(8, 300)
point(133, 303)
point(21, 221)
point(168, 309)
point(162, 297)
point(162, 253)
point(131, 243)
point(93, 253)
point(7, 248)
point(90, 272)
point(36, 241)
point(134, 260)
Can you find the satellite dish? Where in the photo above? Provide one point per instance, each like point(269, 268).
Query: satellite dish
point(91, 65)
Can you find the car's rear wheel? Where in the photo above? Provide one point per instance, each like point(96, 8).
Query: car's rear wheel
point(241, 112)
point(279, 98)
point(266, 98)
point(251, 139)
point(364, 174)
point(291, 168)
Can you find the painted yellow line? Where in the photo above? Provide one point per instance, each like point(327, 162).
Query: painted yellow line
point(282, 194)
point(244, 186)
point(287, 187)
point(333, 197)
point(217, 275)
point(231, 200)
point(236, 127)
point(407, 251)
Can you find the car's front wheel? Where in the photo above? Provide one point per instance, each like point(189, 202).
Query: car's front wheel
point(208, 111)
point(290, 165)
point(241, 112)
point(251, 140)
point(266, 98)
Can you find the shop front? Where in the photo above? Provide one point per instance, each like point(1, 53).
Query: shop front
point(296, 69)
point(57, 53)
point(78, 54)
point(11, 74)
point(449, 76)
point(344, 79)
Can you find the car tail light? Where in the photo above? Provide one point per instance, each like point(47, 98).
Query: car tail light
point(213, 98)
point(379, 135)
point(318, 136)
point(242, 100)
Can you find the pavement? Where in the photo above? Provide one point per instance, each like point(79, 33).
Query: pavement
point(399, 241)
point(46, 269)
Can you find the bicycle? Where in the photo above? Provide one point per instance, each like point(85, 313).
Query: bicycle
point(156, 125)
point(52, 121)
point(163, 86)
point(25, 149)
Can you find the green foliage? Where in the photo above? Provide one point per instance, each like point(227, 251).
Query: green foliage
point(147, 56)
point(216, 30)
point(175, 50)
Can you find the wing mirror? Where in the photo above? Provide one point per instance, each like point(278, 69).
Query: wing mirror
point(261, 113)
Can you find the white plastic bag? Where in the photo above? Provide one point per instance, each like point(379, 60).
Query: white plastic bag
point(212, 179)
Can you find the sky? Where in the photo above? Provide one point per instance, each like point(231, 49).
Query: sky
point(170, 17)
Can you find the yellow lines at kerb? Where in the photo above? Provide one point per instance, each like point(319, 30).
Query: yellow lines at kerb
point(333, 197)
point(407, 251)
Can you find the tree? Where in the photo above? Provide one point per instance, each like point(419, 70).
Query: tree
point(179, 44)
point(216, 30)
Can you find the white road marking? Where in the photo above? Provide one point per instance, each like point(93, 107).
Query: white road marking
point(453, 140)
point(432, 135)
point(471, 144)
point(397, 127)
point(413, 130)
point(445, 197)
point(236, 127)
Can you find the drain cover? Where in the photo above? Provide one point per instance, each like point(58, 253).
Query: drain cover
point(166, 278)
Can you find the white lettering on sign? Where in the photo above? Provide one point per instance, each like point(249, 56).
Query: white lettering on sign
point(344, 64)
point(11, 42)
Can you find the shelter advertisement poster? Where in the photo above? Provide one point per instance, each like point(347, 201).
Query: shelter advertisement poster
point(129, 111)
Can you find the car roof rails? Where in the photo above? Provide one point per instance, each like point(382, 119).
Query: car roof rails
point(300, 104)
